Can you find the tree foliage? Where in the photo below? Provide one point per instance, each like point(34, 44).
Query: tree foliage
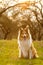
point(30, 13)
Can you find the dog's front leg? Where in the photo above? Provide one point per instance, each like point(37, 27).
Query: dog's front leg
point(30, 53)
point(20, 53)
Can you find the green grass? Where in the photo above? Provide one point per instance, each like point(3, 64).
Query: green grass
point(9, 53)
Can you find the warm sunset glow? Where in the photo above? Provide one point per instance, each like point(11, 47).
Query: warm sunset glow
point(21, 1)
point(27, 0)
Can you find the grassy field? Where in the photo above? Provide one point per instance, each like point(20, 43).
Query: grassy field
point(9, 53)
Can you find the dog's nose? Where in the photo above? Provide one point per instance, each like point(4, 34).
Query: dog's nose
point(24, 35)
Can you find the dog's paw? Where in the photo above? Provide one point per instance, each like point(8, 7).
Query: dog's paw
point(19, 56)
point(36, 56)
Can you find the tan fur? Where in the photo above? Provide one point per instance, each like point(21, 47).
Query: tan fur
point(26, 48)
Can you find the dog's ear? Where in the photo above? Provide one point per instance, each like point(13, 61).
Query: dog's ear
point(27, 27)
point(21, 29)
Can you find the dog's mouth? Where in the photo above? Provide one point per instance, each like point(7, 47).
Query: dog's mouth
point(24, 38)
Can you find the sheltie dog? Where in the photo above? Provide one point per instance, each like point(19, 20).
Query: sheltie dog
point(25, 45)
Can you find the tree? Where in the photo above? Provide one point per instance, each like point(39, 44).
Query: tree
point(27, 13)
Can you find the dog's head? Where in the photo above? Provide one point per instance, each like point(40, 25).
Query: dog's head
point(24, 33)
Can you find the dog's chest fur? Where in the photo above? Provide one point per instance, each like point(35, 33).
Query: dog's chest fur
point(25, 44)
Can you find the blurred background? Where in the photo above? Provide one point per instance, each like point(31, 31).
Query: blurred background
point(15, 13)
